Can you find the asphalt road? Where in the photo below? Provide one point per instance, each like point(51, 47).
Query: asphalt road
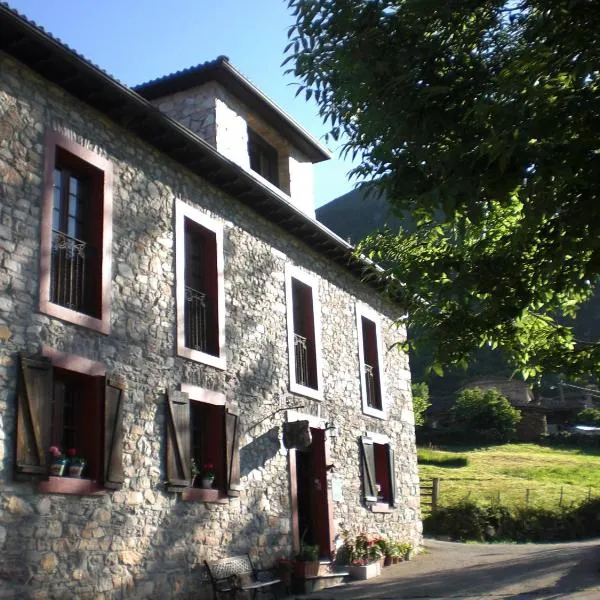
point(482, 571)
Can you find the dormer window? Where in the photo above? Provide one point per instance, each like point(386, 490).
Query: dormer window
point(263, 158)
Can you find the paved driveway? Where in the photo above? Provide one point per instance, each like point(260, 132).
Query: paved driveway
point(482, 571)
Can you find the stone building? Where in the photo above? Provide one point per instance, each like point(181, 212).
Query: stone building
point(168, 300)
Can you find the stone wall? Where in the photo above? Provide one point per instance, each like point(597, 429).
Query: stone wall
point(142, 541)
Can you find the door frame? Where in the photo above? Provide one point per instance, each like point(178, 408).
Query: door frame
point(315, 423)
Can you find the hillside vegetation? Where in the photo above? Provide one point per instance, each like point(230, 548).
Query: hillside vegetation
point(506, 472)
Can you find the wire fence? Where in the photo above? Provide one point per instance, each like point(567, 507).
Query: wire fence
point(434, 493)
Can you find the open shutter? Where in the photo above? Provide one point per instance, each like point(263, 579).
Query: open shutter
point(114, 396)
point(178, 441)
point(368, 468)
point(393, 491)
point(34, 415)
point(232, 441)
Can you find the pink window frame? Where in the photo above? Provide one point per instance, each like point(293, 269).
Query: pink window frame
point(54, 140)
point(184, 211)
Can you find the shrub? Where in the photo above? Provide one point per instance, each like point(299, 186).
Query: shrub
point(468, 520)
point(420, 396)
point(588, 416)
point(484, 415)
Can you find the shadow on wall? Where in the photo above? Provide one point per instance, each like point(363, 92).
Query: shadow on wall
point(259, 451)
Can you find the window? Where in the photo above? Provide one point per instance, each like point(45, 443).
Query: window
point(69, 402)
point(76, 234)
point(369, 357)
point(200, 428)
point(263, 158)
point(304, 342)
point(379, 476)
point(200, 288)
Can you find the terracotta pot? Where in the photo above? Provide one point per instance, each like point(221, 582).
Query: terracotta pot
point(388, 560)
point(57, 469)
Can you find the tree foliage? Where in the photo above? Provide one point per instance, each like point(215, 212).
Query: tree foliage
point(484, 415)
point(420, 396)
point(482, 119)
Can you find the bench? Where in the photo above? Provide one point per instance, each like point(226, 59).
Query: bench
point(232, 577)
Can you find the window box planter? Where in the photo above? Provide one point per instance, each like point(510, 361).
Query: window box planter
point(365, 571)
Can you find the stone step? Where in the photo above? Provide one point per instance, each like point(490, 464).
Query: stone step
point(324, 581)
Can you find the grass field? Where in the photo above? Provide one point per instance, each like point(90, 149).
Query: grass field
point(506, 472)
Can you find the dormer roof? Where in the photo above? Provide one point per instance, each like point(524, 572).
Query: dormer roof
point(223, 72)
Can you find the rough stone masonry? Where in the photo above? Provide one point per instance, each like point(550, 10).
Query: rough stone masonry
point(142, 541)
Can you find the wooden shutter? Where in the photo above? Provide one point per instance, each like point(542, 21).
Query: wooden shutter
point(178, 441)
point(34, 415)
point(114, 396)
point(232, 441)
point(368, 469)
point(392, 462)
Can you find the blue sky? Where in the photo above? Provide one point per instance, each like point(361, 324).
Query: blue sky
point(135, 41)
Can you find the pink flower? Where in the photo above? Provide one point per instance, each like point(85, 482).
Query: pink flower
point(55, 451)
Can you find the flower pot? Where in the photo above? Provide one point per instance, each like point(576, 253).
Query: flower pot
point(75, 470)
point(365, 571)
point(57, 469)
point(207, 482)
point(304, 569)
point(389, 560)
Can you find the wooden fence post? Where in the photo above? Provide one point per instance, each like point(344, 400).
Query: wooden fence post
point(435, 493)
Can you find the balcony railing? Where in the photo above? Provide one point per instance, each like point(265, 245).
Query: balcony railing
point(373, 397)
point(196, 308)
point(68, 267)
point(301, 354)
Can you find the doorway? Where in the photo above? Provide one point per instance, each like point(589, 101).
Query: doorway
point(312, 508)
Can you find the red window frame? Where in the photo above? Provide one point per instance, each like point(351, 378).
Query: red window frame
point(74, 158)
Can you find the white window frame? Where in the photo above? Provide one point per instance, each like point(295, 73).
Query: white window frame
point(293, 272)
point(371, 315)
point(185, 211)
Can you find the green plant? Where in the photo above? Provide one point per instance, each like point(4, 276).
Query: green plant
point(420, 396)
point(484, 415)
point(74, 459)
point(196, 470)
point(57, 455)
point(308, 552)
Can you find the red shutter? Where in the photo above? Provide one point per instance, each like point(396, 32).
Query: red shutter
point(34, 414)
point(178, 441)
point(368, 469)
point(114, 396)
point(232, 441)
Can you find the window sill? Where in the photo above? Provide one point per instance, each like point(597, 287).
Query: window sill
point(303, 390)
point(374, 412)
point(381, 507)
point(63, 313)
point(203, 495)
point(218, 362)
point(70, 485)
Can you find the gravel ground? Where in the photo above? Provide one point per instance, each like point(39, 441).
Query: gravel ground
point(481, 571)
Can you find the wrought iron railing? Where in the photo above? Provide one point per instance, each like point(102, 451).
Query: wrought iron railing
point(301, 354)
point(373, 399)
point(68, 270)
point(196, 308)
